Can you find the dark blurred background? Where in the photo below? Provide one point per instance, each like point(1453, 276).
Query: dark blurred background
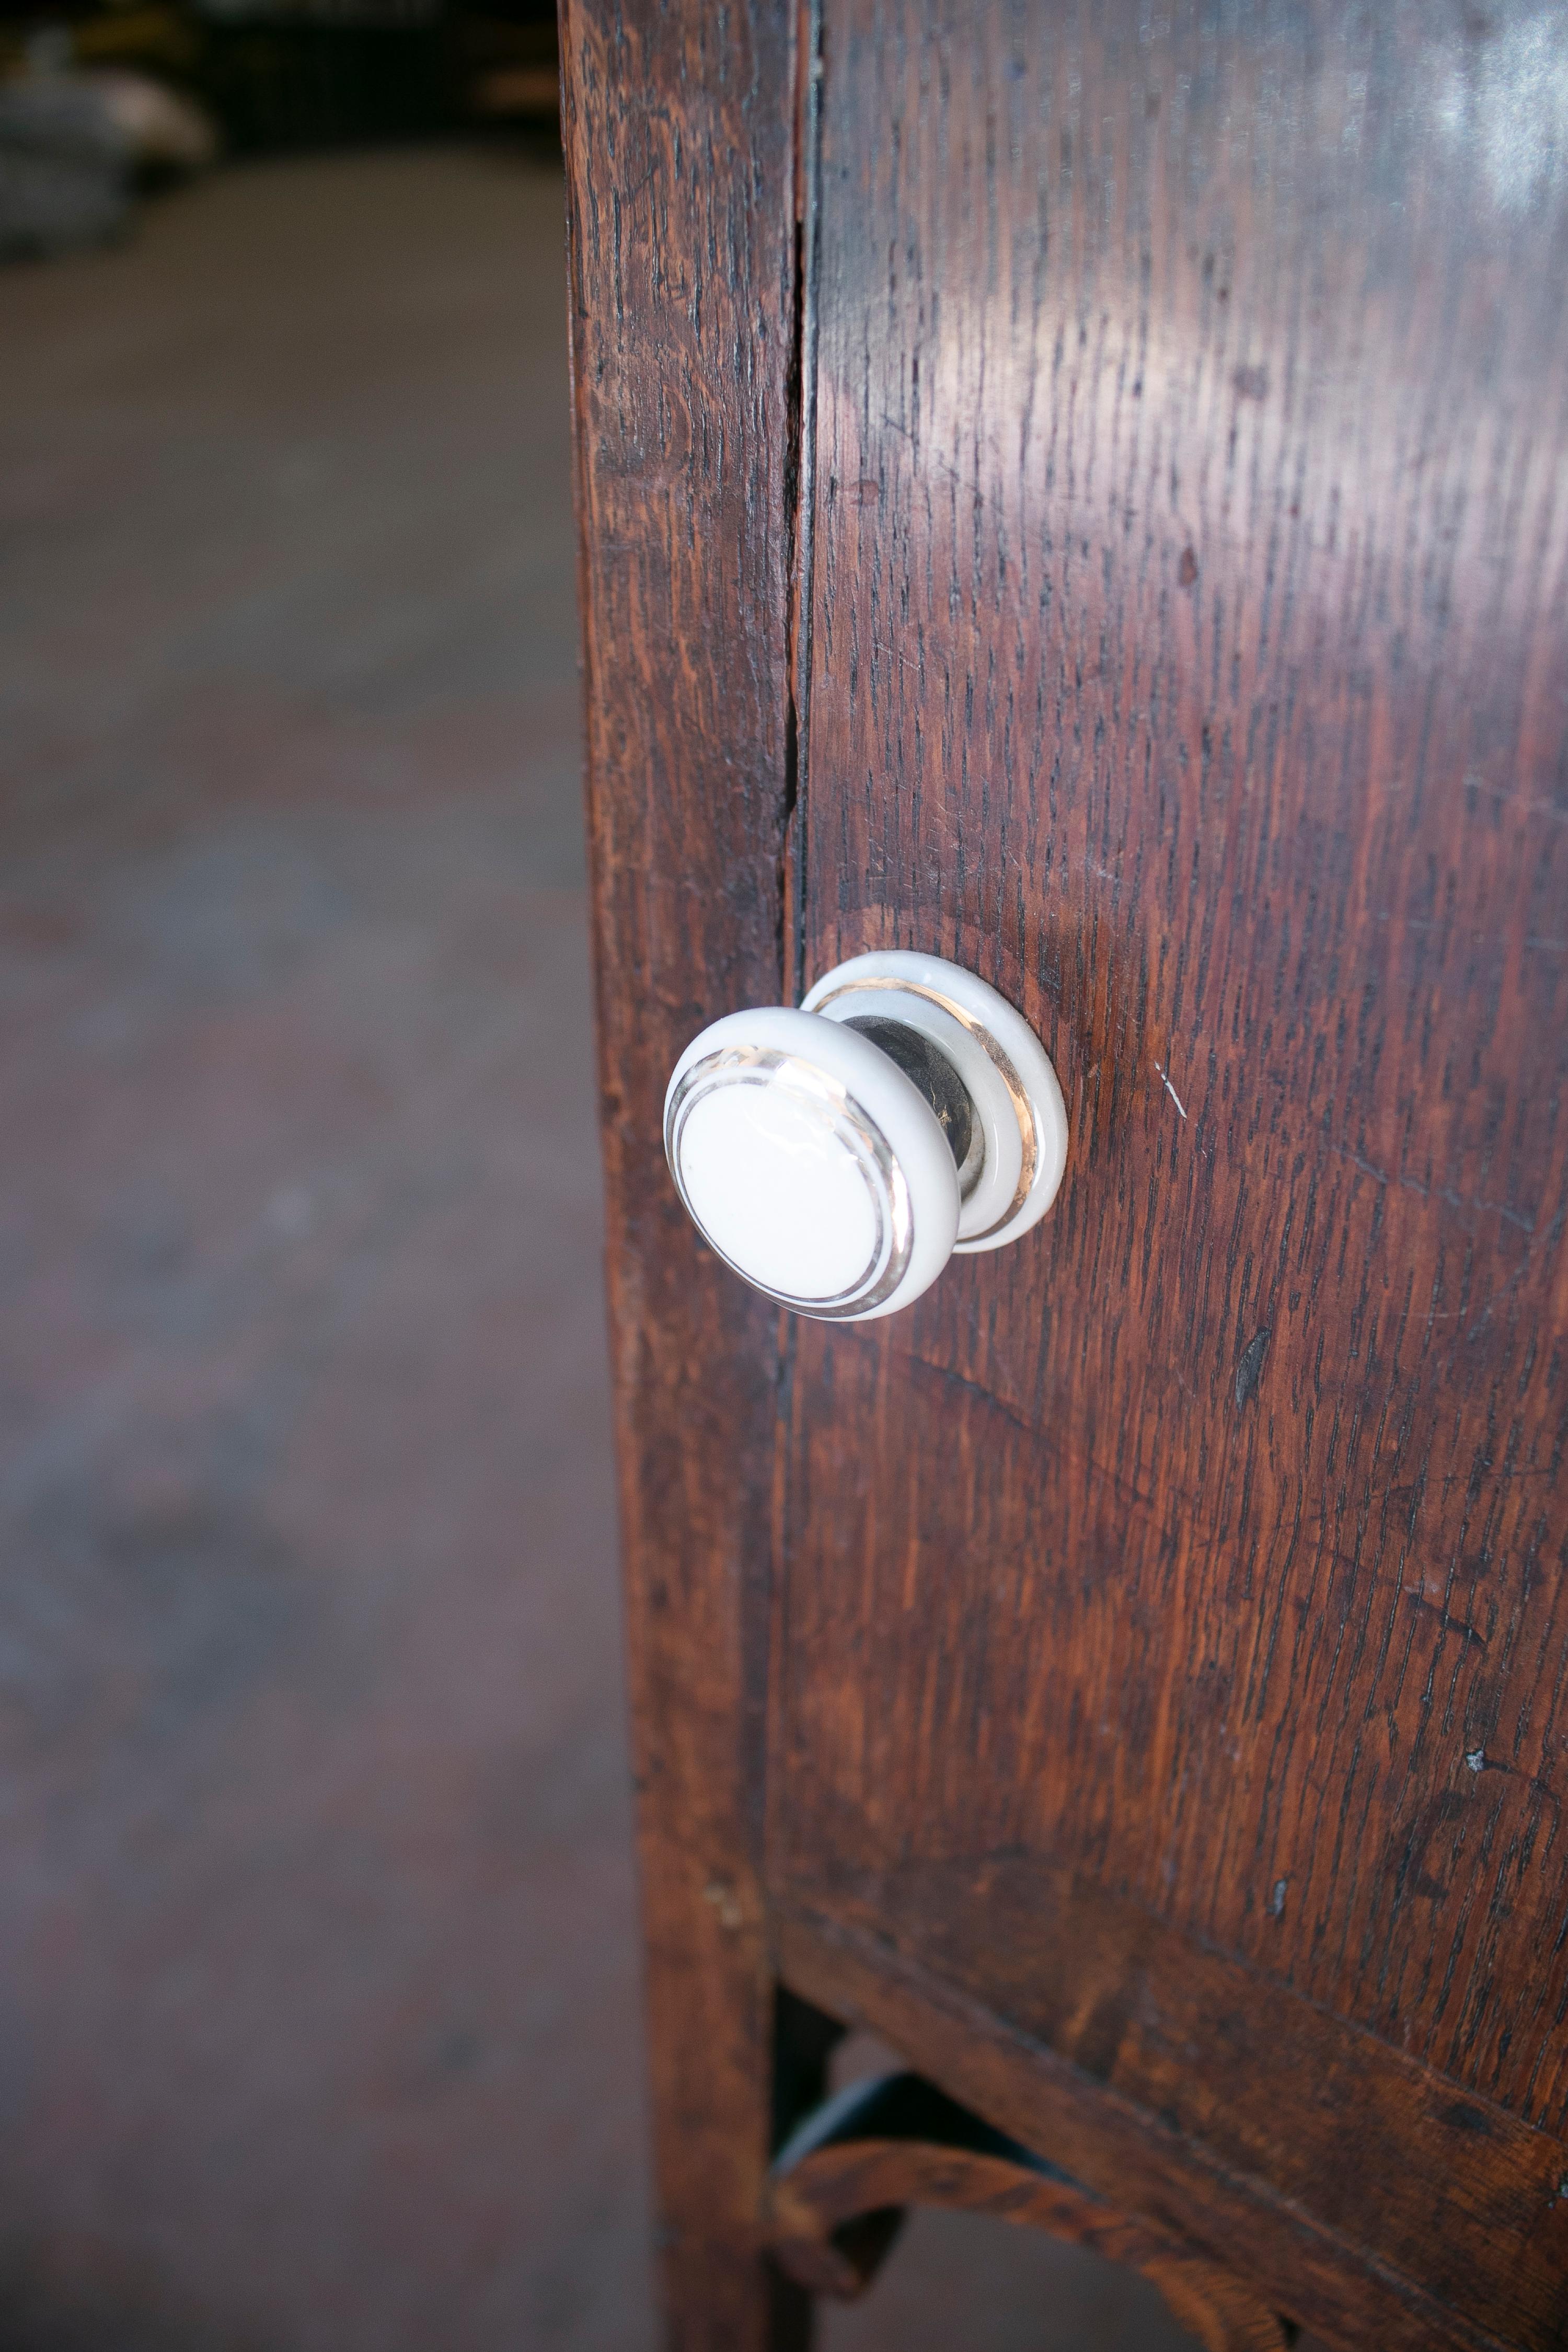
point(318, 2007)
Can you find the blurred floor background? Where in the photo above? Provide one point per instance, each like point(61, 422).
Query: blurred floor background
point(319, 2009)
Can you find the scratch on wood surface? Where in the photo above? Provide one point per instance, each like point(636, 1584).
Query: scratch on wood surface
point(1445, 1193)
point(906, 661)
point(1171, 1090)
point(1450, 1625)
point(1250, 1365)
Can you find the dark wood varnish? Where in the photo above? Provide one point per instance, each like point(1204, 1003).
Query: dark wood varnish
point(1130, 1680)
point(679, 141)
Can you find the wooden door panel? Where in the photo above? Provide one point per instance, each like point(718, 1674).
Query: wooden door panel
point(1170, 1638)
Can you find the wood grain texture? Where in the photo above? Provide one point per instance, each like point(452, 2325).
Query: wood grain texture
point(837, 2188)
point(1273, 2088)
point(1147, 2163)
point(1189, 657)
point(679, 133)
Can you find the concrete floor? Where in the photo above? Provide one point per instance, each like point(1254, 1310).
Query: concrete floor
point(317, 1981)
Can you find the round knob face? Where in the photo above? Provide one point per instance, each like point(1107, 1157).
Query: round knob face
point(811, 1163)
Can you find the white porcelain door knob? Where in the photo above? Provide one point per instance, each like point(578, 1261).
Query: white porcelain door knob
point(837, 1155)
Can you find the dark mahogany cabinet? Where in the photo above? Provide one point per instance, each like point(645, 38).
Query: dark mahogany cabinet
point(1082, 490)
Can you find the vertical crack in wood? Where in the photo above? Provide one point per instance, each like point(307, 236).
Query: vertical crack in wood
point(799, 491)
point(799, 500)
